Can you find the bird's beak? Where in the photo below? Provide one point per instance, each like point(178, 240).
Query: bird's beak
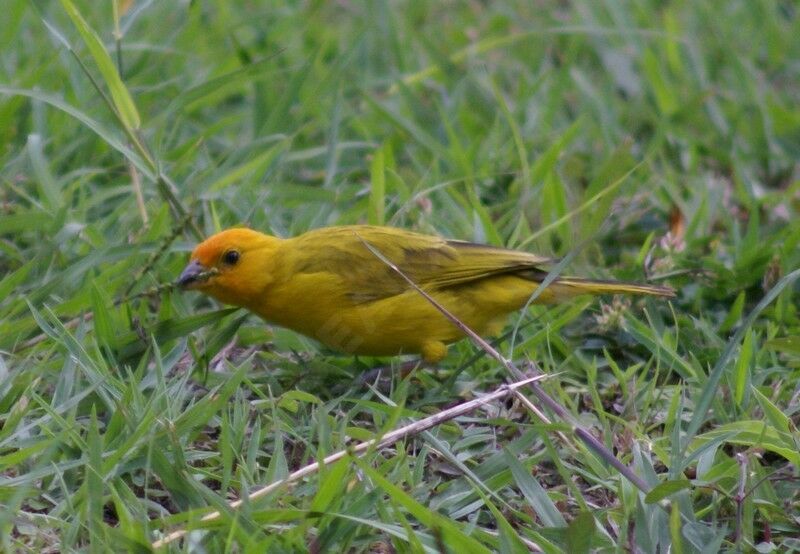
point(190, 275)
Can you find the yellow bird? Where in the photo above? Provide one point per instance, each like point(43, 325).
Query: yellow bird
point(328, 284)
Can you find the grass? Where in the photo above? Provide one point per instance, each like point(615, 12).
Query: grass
point(641, 140)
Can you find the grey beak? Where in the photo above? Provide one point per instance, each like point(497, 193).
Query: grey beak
point(189, 274)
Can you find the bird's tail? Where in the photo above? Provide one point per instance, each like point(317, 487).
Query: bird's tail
point(574, 286)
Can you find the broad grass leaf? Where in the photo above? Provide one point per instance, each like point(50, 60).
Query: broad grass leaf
point(122, 99)
point(665, 489)
point(534, 493)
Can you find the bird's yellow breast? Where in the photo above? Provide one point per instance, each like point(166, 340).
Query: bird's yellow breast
point(317, 306)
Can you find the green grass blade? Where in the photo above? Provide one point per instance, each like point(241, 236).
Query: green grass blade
point(123, 102)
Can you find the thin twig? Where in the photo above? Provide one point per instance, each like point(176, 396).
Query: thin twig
point(126, 296)
point(42, 336)
point(388, 439)
point(176, 231)
point(595, 445)
point(72, 323)
point(136, 183)
point(739, 498)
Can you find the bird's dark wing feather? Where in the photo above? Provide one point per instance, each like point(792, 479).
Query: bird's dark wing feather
point(431, 262)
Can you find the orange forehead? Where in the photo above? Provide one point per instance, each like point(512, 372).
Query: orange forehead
point(210, 250)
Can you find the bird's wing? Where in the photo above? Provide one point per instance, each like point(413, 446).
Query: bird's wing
point(430, 262)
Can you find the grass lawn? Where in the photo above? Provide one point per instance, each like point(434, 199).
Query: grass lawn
point(646, 140)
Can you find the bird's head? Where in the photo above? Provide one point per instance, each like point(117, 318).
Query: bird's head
point(233, 266)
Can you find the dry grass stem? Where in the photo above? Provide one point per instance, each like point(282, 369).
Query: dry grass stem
point(392, 437)
point(586, 436)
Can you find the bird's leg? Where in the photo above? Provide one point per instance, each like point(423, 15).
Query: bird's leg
point(382, 374)
point(431, 352)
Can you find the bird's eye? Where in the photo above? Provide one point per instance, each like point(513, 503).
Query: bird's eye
point(230, 257)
